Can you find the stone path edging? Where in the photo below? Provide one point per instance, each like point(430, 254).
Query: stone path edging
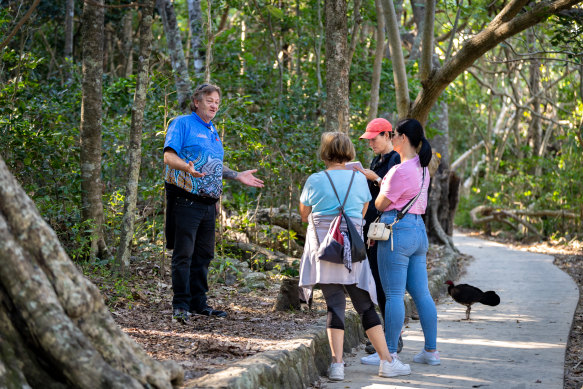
point(302, 360)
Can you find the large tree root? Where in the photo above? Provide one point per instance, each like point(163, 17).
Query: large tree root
point(56, 330)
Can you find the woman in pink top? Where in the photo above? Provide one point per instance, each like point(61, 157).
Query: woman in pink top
point(402, 258)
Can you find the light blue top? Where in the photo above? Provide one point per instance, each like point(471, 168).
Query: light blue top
point(194, 140)
point(319, 195)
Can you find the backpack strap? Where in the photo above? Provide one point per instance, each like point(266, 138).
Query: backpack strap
point(336, 193)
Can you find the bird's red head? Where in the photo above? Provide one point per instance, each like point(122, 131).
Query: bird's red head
point(449, 282)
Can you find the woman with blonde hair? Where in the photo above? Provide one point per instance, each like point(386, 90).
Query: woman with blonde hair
point(319, 205)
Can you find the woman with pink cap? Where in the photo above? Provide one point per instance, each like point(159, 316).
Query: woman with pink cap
point(378, 133)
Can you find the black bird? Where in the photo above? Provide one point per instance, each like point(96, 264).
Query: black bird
point(467, 295)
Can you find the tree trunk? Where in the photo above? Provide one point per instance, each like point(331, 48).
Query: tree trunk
point(418, 10)
point(427, 52)
point(439, 205)
point(209, 43)
point(337, 114)
point(174, 42)
point(91, 121)
point(128, 43)
point(298, 52)
point(69, 30)
point(399, 70)
point(196, 39)
point(318, 48)
point(535, 127)
point(135, 149)
point(56, 330)
point(378, 62)
point(357, 21)
point(108, 56)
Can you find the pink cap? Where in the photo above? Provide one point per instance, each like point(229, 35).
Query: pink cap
point(375, 127)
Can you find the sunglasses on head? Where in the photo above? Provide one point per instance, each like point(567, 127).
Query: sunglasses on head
point(201, 87)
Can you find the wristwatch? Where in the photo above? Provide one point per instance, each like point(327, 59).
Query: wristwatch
point(378, 181)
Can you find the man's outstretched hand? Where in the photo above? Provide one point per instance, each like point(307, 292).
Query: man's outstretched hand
point(246, 177)
point(193, 172)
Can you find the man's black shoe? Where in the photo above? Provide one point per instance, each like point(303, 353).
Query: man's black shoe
point(208, 311)
point(180, 315)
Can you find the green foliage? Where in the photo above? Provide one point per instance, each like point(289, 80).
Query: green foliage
point(567, 32)
point(290, 271)
point(276, 131)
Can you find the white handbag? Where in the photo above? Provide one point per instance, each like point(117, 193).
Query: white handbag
point(379, 231)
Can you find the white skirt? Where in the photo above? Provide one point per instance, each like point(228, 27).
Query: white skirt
point(314, 271)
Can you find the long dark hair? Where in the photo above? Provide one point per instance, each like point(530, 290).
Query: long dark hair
point(413, 130)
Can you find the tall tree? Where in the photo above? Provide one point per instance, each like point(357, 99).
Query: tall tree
point(337, 114)
point(128, 43)
point(195, 18)
point(399, 70)
point(511, 20)
point(137, 124)
point(69, 18)
point(174, 42)
point(378, 62)
point(91, 122)
point(56, 330)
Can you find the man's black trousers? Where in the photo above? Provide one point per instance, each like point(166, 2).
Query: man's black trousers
point(194, 247)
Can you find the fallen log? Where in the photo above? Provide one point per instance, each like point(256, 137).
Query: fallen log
point(271, 236)
point(484, 214)
point(281, 217)
point(273, 256)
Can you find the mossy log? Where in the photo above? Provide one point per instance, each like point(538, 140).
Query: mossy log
point(281, 217)
point(273, 256)
point(56, 330)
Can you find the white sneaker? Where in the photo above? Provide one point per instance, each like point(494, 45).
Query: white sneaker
point(388, 369)
point(427, 357)
point(372, 359)
point(336, 371)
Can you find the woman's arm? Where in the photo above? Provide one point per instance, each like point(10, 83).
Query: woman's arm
point(364, 209)
point(381, 203)
point(305, 212)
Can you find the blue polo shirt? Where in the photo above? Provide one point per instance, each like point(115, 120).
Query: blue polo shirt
point(194, 140)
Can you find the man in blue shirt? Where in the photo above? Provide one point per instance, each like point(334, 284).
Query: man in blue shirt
point(193, 154)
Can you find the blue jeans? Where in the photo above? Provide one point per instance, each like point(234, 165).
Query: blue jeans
point(194, 247)
point(405, 267)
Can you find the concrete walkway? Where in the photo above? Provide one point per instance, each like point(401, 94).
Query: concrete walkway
point(518, 344)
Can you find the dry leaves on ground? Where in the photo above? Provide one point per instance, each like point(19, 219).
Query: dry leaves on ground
point(141, 305)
